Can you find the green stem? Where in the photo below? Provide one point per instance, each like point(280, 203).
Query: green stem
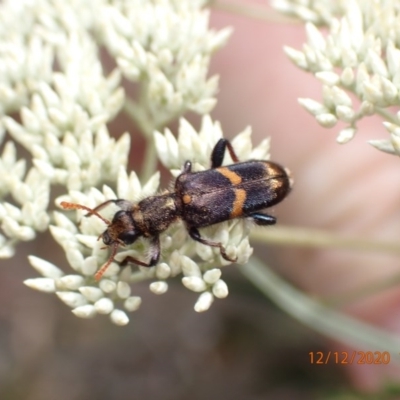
point(304, 237)
point(134, 112)
point(317, 316)
point(386, 115)
point(150, 161)
point(251, 10)
point(343, 299)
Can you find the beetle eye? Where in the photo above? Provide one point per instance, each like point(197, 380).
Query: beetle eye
point(106, 238)
point(128, 237)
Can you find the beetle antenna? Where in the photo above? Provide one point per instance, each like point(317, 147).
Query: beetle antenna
point(99, 274)
point(74, 206)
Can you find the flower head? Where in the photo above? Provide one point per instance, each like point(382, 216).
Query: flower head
point(52, 75)
point(198, 264)
point(360, 55)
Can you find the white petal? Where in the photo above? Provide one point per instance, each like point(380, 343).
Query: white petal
point(326, 120)
point(89, 266)
point(42, 284)
point(345, 113)
point(395, 140)
point(340, 97)
point(189, 267)
point(86, 311)
point(383, 145)
point(161, 147)
point(376, 63)
point(220, 289)
point(7, 251)
point(242, 144)
point(91, 293)
point(220, 38)
point(328, 77)
point(347, 77)
point(296, 56)
point(151, 186)
point(88, 240)
point(75, 259)
point(373, 92)
point(118, 317)
point(392, 128)
point(204, 252)
point(12, 229)
point(194, 283)
point(204, 106)
point(123, 290)
point(104, 305)
point(72, 299)
point(175, 263)
point(315, 38)
point(64, 222)
point(204, 302)
point(107, 285)
point(132, 303)
point(45, 268)
point(159, 287)
point(211, 276)
point(312, 106)
point(72, 282)
point(393, 57)
point(390, 92)
point(367, 108)
point(163, 271)
point(345, 135)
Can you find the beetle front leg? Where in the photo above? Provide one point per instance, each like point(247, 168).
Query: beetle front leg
point(195, 235)
point(218, 153)
point(154, 251)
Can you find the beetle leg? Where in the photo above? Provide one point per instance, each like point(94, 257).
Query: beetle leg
point(154, 251)
point(218, 153)
point(187, 167)
point(195, 235)
point(263, 219)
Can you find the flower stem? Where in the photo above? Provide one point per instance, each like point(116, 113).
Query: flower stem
point(250, 10)
point(150, 161)
point(317, 316)
point(343, 299)
point(386, 115)
point(135, 113)
point(306, 237)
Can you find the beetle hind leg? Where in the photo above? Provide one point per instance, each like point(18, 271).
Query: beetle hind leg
point(195, 235)
point(262, 219)
point(218, 153)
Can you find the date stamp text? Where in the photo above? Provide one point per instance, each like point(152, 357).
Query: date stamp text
point(349, 357)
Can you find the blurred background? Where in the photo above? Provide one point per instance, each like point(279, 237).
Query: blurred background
point(244, 347)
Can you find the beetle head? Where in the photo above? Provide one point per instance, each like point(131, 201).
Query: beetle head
point(121, 231)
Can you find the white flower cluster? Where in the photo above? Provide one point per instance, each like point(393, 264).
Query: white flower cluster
point(168, 49)
point(180, 255)
point(360, 55)
point(52, 76)
point(318, 12)
point(30, 191)
point(63, 113)
point(31, 32)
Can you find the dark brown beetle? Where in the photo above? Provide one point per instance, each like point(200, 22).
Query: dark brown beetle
point(200, 199)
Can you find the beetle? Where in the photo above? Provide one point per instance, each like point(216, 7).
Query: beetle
point(199, 199)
